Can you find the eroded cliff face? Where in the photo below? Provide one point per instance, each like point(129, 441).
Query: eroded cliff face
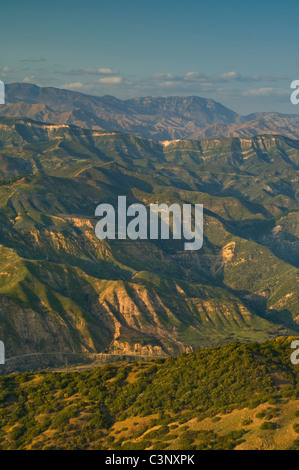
point(93, 302)
point(122, 318)
point(63, 291)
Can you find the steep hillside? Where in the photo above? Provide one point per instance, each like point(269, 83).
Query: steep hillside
point(232, 397)
point(64, 293)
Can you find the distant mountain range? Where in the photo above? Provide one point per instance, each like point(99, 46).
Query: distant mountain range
point(153, 118)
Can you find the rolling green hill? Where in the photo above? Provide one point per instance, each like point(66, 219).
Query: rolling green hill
point(231, 397)
point(64, 292)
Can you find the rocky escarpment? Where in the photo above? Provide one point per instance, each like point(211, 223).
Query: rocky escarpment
point(64, 292)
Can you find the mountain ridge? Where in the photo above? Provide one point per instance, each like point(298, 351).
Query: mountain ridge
point(160, 118)
point(64, 291)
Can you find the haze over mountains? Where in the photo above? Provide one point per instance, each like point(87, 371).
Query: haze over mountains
point(156, 118)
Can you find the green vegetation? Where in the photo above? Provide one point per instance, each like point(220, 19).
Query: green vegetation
point(157, 405)
point(79, 295)
point(267, 425)
point(68, 299)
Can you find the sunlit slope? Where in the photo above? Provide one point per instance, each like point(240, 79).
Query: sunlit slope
point(234, 396)
point(61, 289)
point(159, 118)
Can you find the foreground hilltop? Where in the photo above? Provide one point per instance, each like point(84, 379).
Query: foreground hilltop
point(64, 292)
point(231, 397)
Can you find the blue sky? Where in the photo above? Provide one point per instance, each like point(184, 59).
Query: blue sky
point(243, 54)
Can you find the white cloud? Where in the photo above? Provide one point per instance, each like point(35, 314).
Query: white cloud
point(163, 76)
point(92, 71)
point(194, 76)
point(75, 86)
point(266, 92)
point(110, 80)
point(106, 71)
point(29, 79)
point(230, 76)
